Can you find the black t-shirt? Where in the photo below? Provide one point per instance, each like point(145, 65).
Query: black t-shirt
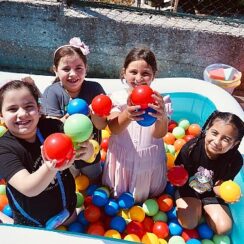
point(205, 171)
point(55, 100)
point(17, 154)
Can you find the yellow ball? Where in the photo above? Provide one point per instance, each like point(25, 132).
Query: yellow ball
point(162, 241)
point(132, 237)
point(95, 146)
point(230, 191)
point(112, 234)
point(137, 213)
point(170, 160)
point(105, 134)
point(150, 238)
point(124, 213)
point(81, 182)
point(91, 159)
point(3, 130)
point(61, 227)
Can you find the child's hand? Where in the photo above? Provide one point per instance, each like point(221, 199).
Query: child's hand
point(85, 151)
point(159, 106)
point(66, 116)
point(133, 111)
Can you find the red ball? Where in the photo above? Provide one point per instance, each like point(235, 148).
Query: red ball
point(104, 144)
point(58, 146)
point(188, 137)
point(92, 213)
point(101, 105)
point(135, 227)
point(87, 201)
point(96, 229)
point(189, 234)
point(148, 224)
point(165, 202)
point(172, 124)
point(161, 229)
point(177, 175)
point(142, 95)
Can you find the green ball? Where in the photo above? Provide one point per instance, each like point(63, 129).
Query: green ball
point(184, 123)
point(80, 199)
point(206, 241)
point(160, 216)
point(3, 129)
point(178, 132)
point(150, 207)
point(221, 239)
point(171, 149)
point(176, 240)
point(2, 189)
point(78, 127)
point(166, 147)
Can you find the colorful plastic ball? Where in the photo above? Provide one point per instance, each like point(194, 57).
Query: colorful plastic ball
point(193, 241)
point(194, 130)
point(8, 211)
point(165, 202)
point(184, 123)
point(148, 224)
point(136, 213)
point(188, 137)
point(2, 189)
point(3, 129)
point(99, 198)
point(176, 240)
point(221, 239)
point(76, 227)
point(3, 201)
point(204, 231)
point(230, 191)
point(171, 149)
point(175, 228)
point(111, 208)
point(81, 182)
point(106, 133)
point(161, 229)
point(170, 160)
point(101, 105)
point(150, 238)
point(178, 132)
point(92, 213)
point(206, 241)
point(171, 125)
point(124, 213)
point(104, 188)
point(178, 144)
point(91, 188)
point(189, 234)
point(80, 199)
point(147, 120)
point(160, 216)
point(96, 229)
point(177, 175)
point(96, 146)
point(172, 213)
point(61, 228)
point(132, 237)
point(58, 146)
point(135, 227)
point(103, 155)
point(142, 95)
point(150, 207)
point(81, 218)
point(77, 106)
point(118, 223)
point(169, 138)
point(112, 234)
point(104, 144)
point(87, 201)
point(78, 127)
point(126, 200)
point(170, 189)
point(162, 241)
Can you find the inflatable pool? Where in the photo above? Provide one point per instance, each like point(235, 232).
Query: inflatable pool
point(192, 99)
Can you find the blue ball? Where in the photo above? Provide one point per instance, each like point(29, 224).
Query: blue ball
point(99, 198)
point(170, 189)
point(118, 223)
point(175, 228)
point(76, 227)
point(193, 241)
point(147, 119)
point(90, 190)
point(111, 208)
point(77, 106)
point(172, 213)
point(126, 200)
point(204, 231)
point(81, 218)
point(8, 211)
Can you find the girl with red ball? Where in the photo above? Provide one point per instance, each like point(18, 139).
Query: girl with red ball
point(136, 161)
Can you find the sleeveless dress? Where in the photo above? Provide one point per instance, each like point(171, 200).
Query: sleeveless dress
point(135, 161)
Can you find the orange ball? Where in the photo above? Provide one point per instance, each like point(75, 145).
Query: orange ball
point(103, 155)
point(96, 229)
point(230, 191)
point(170, 160)
point(3, 201)
point(137, 213)
point(194, 130)
point(169, 138)
point(150, 238)
point(81, 182)
point(165, 202)
point(178, 144)
point(132, 237)
point(112, 234)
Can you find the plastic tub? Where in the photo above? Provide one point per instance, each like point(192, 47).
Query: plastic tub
point(228, 83)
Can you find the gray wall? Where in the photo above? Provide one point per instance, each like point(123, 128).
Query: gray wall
point(31, 30)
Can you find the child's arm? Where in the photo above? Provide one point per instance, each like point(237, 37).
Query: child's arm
point(161, 125)
point(6, 219)
point(99, 122)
